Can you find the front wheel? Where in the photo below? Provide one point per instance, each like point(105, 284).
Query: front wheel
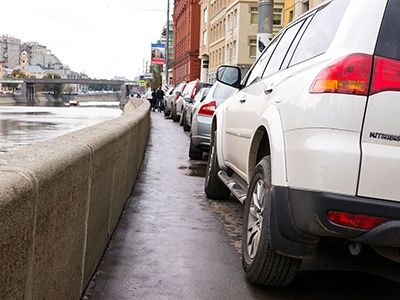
point(186, 126)
point(214, 187)
point(261, 263)
point(175, 118)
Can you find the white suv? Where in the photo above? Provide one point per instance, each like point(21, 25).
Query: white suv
point(310, 140)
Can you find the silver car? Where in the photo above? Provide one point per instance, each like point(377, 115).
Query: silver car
point(202, 116)
point(191, 105)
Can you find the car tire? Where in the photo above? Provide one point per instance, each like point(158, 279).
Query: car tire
point(186, 126)
point(175, 118)
point(261, 263)
point(181, 118)
point(195, 152)
point(213, 187)
point(166, 113)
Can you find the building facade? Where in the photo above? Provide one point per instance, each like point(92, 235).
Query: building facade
point(228, 33)
point(9, 51)
point(186, 27)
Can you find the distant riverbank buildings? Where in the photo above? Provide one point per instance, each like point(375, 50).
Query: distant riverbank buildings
point(33, 59)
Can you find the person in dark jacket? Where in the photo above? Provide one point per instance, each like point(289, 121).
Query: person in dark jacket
point(154, 100)
point(159, 97)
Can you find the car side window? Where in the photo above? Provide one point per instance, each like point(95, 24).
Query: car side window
point(256, 71)
point(321, 31)
point(281, 49)
point(292, 48)
point(388, 44)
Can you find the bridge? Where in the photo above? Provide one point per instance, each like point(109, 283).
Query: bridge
point(28, 84)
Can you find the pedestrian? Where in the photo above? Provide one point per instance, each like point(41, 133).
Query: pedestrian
point(160, 98)
point(154, 100)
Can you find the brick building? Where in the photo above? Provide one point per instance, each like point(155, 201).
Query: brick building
point(186, 16)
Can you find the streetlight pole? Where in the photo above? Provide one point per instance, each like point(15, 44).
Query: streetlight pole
point(265, 22)
point(167, 48)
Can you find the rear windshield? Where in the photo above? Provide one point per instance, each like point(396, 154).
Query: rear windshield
point(388, 44)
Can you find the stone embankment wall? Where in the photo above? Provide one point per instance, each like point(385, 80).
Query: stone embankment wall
point(60, 201)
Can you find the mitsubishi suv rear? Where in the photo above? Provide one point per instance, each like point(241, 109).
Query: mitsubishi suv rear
point(309, 141)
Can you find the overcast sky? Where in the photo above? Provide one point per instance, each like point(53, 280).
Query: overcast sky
point(103, 38)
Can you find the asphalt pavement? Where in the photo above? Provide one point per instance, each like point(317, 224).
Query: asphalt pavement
point(174, 243)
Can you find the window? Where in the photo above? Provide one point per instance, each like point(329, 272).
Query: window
point(281, 49)
point(234, 50)
point(235, 18)
point(277, 16)
point(253, 15)
point(253, 48)
point(305, 6)
point(205, 16)
point(321, 31)
point(257, 69)
point(204, 38)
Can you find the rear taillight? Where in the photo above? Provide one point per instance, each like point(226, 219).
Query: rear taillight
point(348, 75)
point(353, 220)
point(194, 90)
point(207, 109)
point(386, 75)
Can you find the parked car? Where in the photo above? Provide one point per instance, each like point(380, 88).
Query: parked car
point(201, 117)
point(190, 105)
point(169, 103)
point(309, 141)
point(187, 95)
point(168, 93)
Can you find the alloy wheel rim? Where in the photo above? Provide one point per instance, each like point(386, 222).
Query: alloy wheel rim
point(210, 159)
point(255, 218)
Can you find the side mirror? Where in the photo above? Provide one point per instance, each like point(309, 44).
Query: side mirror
point(178, 93)
point(229, 75)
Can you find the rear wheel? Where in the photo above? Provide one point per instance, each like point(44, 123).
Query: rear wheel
point(261, 263)
point(166, 113)
point(214, 187)
point(195, 152)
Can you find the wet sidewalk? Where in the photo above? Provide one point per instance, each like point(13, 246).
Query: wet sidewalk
point(169, 244)
point(174, 243)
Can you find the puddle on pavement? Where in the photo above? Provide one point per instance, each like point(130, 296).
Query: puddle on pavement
point(197, 170)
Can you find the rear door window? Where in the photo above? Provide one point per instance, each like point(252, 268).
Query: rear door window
point(281, 49)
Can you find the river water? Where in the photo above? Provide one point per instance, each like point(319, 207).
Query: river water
point(21, 126)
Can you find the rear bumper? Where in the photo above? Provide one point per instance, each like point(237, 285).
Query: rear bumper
point(200, 132)
point(299, 220)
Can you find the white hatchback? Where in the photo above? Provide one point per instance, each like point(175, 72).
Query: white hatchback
point(309, 142)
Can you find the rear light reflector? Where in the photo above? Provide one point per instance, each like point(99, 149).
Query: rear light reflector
point(354, 221)
point(386, 75)
point(349, 75)
point(207, 109)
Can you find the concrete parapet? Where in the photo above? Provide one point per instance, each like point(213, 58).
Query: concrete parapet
point(60, 201)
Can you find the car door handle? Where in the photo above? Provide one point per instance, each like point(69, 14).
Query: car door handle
point(243, 99)
point(268, 90)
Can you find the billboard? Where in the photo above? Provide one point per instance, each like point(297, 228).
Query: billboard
point(157, 54)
